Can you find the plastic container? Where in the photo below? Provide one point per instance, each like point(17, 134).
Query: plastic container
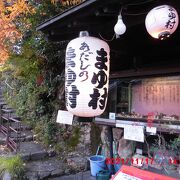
point(103, 175)
point(97, 164)
point(117, 167)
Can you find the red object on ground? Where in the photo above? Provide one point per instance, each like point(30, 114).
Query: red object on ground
point(142, 174)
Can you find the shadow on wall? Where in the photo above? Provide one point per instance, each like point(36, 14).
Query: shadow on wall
point(95, 137)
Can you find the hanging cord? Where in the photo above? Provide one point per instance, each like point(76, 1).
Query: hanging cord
point(108, 40)
point(130, 14)
point(135, 14)
point(114, 35)
point(120, 11)
point(144, 2)
point(135, 4)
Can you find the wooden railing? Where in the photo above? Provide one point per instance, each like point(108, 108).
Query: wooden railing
point(10, 126)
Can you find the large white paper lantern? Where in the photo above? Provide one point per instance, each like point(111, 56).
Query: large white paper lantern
point(162, 21)
point(87, 76)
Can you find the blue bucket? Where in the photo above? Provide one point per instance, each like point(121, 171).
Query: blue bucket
point(97, 163)
point(117, 167)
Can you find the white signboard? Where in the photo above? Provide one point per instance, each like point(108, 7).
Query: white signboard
point(151, 130)
point(134, 133)
point(64, 117)
point(123, 176)
point(120, 125)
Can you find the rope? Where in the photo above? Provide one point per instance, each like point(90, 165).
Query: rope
point(108, 40)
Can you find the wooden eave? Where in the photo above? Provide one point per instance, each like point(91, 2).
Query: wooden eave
point(135, 53)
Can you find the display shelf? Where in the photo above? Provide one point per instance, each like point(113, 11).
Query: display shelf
point(104, 121)
point(161, 125)
point(160, 121)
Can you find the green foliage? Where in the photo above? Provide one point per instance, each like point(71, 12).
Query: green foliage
point(44, 11)
point(58, 148)
point(175, 145)
point(50, 131)
point(35, 74)
point(13, 165)
point(73, 141)
point(171, 146)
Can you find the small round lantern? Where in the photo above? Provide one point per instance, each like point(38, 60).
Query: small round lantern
point(87, 75)
point(162, 21)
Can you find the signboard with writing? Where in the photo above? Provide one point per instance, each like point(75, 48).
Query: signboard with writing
point(158, 95)
point(87, 76)
point(64, 117)
point(134, 133)
point(132, 173)
point(123, 176)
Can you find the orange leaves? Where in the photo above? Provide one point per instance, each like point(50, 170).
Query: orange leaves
point(67, 2)
point(20, 6)
point(53, 1)
point(9, 10)
point(70, 2)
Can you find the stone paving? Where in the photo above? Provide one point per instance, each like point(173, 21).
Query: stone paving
point(32, 151)
point(51, 167)
point(42, 163)
point(79, 176)
point(2, 138)
point(39, 165)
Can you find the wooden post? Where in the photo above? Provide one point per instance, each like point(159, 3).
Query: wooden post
point(110, 137)
point(8, 130)
point(129, 97)
point(0, 116)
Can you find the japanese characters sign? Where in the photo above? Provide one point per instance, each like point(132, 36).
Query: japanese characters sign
point(87, 76)
point(157, 95)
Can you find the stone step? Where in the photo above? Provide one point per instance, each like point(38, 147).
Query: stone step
point(4, 151)
point(2, 138)
point(23, 127)
point(23, 136)
point(29, 151)
point(44, 169)
point(32, 151)
point(1, 96)
point(2, 102)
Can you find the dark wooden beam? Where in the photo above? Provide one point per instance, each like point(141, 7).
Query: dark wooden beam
point(103, 8)
point(69, 12)
point(143, 72)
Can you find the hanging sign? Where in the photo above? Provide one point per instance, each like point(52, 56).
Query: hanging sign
point(134, 133)
point(162, 21)
point(64, 117)
point(87, 76)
